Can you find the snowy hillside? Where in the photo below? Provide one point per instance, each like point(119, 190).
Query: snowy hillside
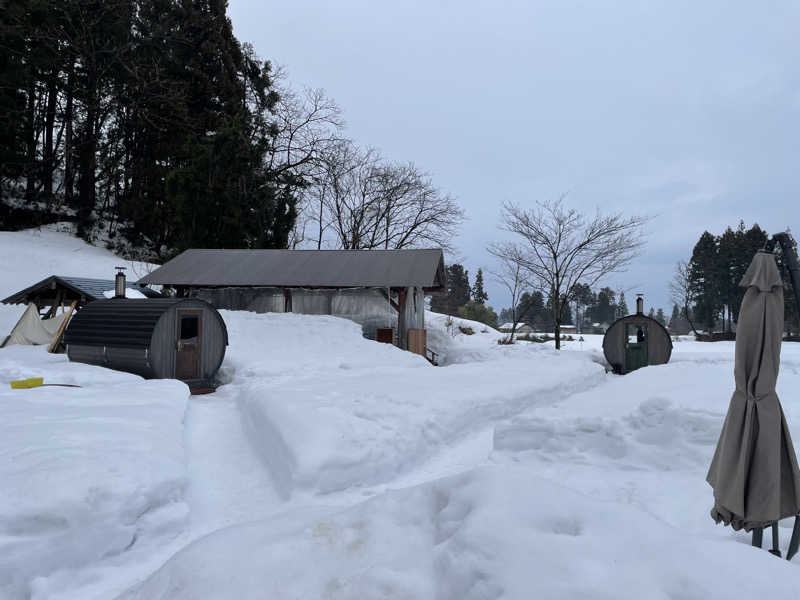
point(330, 466)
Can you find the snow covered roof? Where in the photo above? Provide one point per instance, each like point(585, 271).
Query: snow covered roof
point(304, 268)
point(75, 288)
point(510, 326)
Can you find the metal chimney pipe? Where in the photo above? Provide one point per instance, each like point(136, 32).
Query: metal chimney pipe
point(639, 304)
point(119, 283)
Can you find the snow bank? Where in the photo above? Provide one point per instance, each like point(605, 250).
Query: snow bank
point(327, 420)
point(488, 533)
point(86, 472)
point(446, 336)
point(646, 438)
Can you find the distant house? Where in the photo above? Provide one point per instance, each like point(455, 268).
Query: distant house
point(679, 326)
point(522, 328)
point(598, 328)
point(568, 329)
point(382, 290)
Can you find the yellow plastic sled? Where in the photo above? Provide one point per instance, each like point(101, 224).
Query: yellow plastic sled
point(22, 384)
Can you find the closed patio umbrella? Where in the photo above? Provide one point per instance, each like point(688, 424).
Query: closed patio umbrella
point(754, 471)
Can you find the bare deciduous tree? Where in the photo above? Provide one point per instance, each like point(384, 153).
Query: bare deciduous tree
point(680, 290)
point(308, 127)
point(512, 275)
point(348, 197)
point(563, 247)
point(369, 203)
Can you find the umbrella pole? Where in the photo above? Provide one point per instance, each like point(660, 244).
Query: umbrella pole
point(758, 535)
point(795, 541)
point(776, 548)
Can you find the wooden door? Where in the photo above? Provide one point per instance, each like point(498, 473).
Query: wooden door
point(187, 360)
point(417, 341)
point(635, 346)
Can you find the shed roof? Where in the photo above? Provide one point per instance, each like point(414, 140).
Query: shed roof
point(120, 322)
point(91, 289)
point(304, 268)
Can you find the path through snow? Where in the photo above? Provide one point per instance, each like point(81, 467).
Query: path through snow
point(228, 482)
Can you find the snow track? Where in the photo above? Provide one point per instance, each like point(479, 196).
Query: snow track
point(228, 482)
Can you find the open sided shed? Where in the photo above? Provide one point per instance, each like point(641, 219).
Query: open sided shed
point(382, 290)
point(181, 338)
point(636, 341)
point(51, 292)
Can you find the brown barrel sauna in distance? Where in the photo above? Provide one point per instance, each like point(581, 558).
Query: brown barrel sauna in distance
point(160, 338)
point(636, 341)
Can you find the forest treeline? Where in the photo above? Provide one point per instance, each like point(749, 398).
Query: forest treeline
point(586, 308)
point(152, 127)
point(706, 287)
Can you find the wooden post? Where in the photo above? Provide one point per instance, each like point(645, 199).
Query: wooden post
point(56, 301)
point(61, 328)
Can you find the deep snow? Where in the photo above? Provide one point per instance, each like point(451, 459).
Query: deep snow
point(332, 466)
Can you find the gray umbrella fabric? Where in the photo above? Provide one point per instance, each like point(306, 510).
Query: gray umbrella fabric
point(754, 471)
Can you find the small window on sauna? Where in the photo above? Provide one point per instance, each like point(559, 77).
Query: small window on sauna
point(636, 334)
point(190, 325)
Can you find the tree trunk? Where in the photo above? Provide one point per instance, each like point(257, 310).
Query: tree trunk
point(686, 313)
point(49, 152)
point(69, 177)
point(558, 331)
point(30, 140)
point(87, 162)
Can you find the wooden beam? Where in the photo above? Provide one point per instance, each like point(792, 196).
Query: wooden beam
point(61, 328)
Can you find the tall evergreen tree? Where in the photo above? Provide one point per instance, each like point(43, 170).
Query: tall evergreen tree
point(605, 308)
point(478, 293)
point(704, 280)
point(531, 310)
point(622, 306)
point(147, 114)
point(583, 298)
point(458, 291)
point(660, 316)
point(14, 72)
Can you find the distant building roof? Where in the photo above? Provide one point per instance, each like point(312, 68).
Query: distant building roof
point(304, 268)
point(510, 326)
point(75, 288)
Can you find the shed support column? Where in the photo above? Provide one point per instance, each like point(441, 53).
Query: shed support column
point(287, 300)
point(402, 326)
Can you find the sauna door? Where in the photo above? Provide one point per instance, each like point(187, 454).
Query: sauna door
point(187, 361)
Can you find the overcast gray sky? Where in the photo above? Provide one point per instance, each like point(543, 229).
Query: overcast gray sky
point(689, 111)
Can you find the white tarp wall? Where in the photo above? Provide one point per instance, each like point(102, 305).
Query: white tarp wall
point(31, 330)
point(366, 306)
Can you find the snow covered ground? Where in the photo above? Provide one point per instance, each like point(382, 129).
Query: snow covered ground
point(329, 466)
point(86, 473)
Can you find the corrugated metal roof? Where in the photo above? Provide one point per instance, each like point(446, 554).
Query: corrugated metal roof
point(120, 322)
point(92, 289)
point(304, 268)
